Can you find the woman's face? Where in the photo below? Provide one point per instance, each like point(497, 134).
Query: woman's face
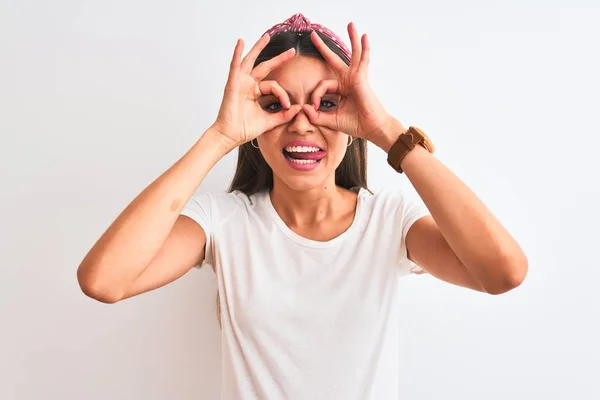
point(302, 156)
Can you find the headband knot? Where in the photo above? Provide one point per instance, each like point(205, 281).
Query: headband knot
point(299, 23)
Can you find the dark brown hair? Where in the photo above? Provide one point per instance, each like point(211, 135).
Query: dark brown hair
point(252, 173)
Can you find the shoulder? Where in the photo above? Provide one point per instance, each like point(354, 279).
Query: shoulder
point(384, 199)
point(222, 205)
point(218, 211)
point(398, 206)
point(225, 202)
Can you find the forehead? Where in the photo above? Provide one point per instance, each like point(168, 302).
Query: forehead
point(301, 71)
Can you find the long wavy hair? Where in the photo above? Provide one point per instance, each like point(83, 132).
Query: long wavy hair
point(252, 173)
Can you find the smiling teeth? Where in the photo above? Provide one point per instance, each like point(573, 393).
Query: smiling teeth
point(302, 149)
point(298, 161)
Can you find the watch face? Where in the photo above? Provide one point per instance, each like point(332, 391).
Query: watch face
point(428, 144)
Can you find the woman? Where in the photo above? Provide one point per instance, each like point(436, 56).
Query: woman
point(306, 258)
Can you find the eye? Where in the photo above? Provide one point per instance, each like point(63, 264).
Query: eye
point(327, 105)
point(273, 107)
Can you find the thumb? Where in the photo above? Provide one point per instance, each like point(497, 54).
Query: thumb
point(275, 119)
point(327, 120)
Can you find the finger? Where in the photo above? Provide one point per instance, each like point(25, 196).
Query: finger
point(234, 66)
point(317, 118)
point(264, 68)
point(274, 88)
point(334, 61)
point(280, 118)
point(326, 86)
point(355, 42)
point(252, 55)
point(365, 57)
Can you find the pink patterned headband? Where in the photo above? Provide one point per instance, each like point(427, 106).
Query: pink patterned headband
point(299, 23)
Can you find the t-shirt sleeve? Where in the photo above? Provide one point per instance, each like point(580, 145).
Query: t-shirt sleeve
point(199, 208)
point(410, 210)
point(209, 210)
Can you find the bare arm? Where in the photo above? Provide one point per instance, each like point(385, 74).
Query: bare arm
point(428, 248)
point(150, 244)
point(490, 258)
point(463, 243)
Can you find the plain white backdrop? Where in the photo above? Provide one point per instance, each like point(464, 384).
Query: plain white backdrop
point(97, 98)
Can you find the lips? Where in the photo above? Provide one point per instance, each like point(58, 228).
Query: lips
point(303, 155)
point(304, 150)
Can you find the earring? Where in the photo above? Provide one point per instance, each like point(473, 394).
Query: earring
point(351, 140)
point(254, 145)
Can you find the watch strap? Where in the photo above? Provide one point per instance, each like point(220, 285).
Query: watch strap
point(405, 143)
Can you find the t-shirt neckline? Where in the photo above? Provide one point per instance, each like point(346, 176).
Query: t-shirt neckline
point(309, 242)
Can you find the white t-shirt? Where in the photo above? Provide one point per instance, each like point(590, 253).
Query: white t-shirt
point(303, 319)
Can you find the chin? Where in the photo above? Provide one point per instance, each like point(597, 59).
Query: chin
point(302, 177)
point(302, 183)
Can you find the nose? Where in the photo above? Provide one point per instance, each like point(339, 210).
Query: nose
point(300, 124)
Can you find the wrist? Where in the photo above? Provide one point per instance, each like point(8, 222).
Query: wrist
point(412, 158)
point(387, 135)
point(217, 140)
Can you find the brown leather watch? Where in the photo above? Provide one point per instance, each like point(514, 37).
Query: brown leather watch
point(405, 143)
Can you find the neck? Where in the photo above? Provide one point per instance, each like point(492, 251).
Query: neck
point(306, 207)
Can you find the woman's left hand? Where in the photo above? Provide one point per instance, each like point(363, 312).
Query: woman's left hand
point(359, 113)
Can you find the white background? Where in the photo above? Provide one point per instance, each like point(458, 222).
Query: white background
point(97, 98)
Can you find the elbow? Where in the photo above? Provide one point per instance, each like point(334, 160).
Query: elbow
point(95, 288)
point(513, 275)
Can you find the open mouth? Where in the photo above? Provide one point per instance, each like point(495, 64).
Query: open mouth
point(303, 155)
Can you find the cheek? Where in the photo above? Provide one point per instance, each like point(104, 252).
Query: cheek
point(268, 144)
point(337, 146)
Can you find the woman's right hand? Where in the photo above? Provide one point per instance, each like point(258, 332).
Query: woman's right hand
point(241, 118)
